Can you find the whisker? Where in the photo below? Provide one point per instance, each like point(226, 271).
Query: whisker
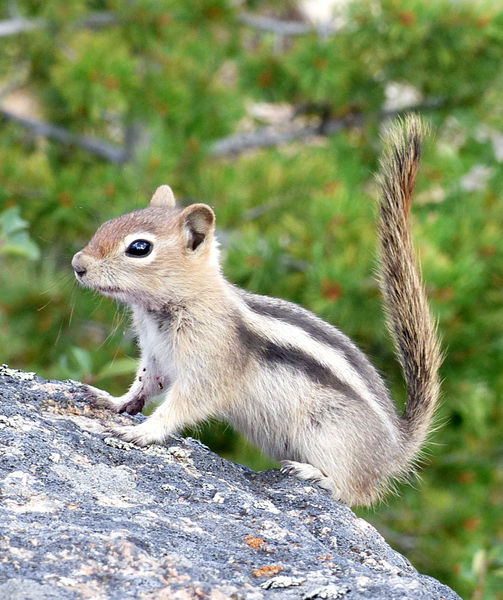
point(72, 306)
point(58, 337)
point(58, 279)
point(45, 305)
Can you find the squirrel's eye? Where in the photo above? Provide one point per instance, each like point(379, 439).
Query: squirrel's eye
point(139, 248)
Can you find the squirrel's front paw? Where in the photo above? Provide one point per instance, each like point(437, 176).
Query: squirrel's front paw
point(132, 407)
point(141, 435)
point(102, 399)
point(98, 397)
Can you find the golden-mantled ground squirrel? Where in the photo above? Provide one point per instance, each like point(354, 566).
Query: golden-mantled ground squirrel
point(293, 384)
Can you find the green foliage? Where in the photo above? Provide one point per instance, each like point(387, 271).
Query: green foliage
point(14, 237)
point(297, 221)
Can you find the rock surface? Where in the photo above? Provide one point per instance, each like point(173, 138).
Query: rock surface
point(84, 515)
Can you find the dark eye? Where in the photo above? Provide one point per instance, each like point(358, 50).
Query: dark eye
point(139, 248)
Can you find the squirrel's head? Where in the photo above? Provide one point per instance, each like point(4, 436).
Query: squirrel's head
point(160, 254)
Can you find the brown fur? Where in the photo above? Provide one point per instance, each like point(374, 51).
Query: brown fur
point(409, 320)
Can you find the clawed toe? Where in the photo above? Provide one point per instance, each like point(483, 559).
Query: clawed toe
point(307, 472)
point(100, 399)
point(133, 407)
point(96, 397)
point(133, 434)
point(96, 402)
point(126, 433)
point(287, 468)
point(293, 471)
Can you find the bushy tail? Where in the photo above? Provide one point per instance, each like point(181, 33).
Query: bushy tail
point(408, 316)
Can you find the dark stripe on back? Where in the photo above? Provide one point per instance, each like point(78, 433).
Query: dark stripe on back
point(320, 331)
point(268, 351)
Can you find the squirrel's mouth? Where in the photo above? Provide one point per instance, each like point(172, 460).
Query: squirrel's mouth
point(117, 293)
point(108, 290)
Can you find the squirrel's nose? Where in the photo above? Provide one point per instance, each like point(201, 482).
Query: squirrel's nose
point(78, 265)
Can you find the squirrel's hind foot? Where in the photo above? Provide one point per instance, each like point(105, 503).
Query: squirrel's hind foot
point(307, 472)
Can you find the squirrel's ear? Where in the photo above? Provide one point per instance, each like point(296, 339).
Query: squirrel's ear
point(163, 197)
point(198, 222)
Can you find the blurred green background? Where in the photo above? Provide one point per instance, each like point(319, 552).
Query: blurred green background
point(103, 100)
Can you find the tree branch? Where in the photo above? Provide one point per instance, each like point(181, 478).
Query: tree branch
point(268, 136)
point(98, 19)
point(96, 146)
point(92, 21)
point(105, 18)
point(260, 138)
point(282, 27)
point(15, 26)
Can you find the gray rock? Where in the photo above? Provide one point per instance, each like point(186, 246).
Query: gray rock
point(85, 515)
